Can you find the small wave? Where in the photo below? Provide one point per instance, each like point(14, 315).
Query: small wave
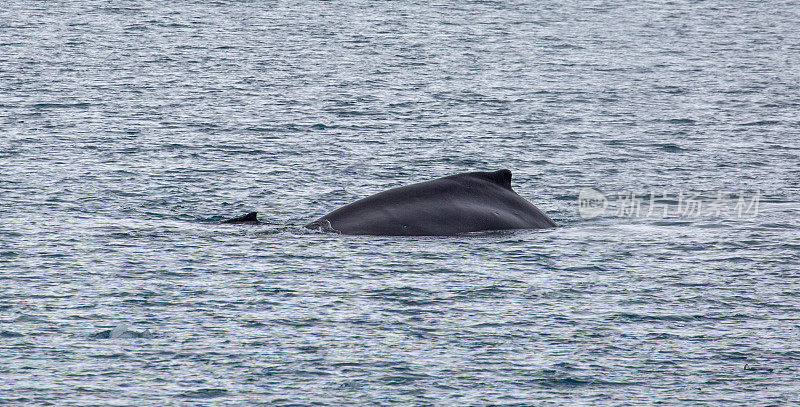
point(321, 226)
point(59, 105)
point(681, 121)
point(10, 334)
point(204, 393)
point(580, 382)
point(671, 148)
point(656, 318)
point(121, 331)
point(761, 123)
point(402, 380)
point(297, 323)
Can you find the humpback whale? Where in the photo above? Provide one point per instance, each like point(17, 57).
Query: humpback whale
point(452, 205)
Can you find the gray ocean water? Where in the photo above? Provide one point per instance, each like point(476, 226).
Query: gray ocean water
point(129, 129)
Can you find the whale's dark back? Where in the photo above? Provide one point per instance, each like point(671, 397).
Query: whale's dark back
point(462, 203)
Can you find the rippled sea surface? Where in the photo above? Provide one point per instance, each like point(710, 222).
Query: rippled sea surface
point(129, 129)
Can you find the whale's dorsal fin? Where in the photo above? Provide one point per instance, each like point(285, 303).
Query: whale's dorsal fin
point(499, 177)
point(251, 217)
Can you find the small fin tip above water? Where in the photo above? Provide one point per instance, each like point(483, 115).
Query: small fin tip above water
point(251, 217)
